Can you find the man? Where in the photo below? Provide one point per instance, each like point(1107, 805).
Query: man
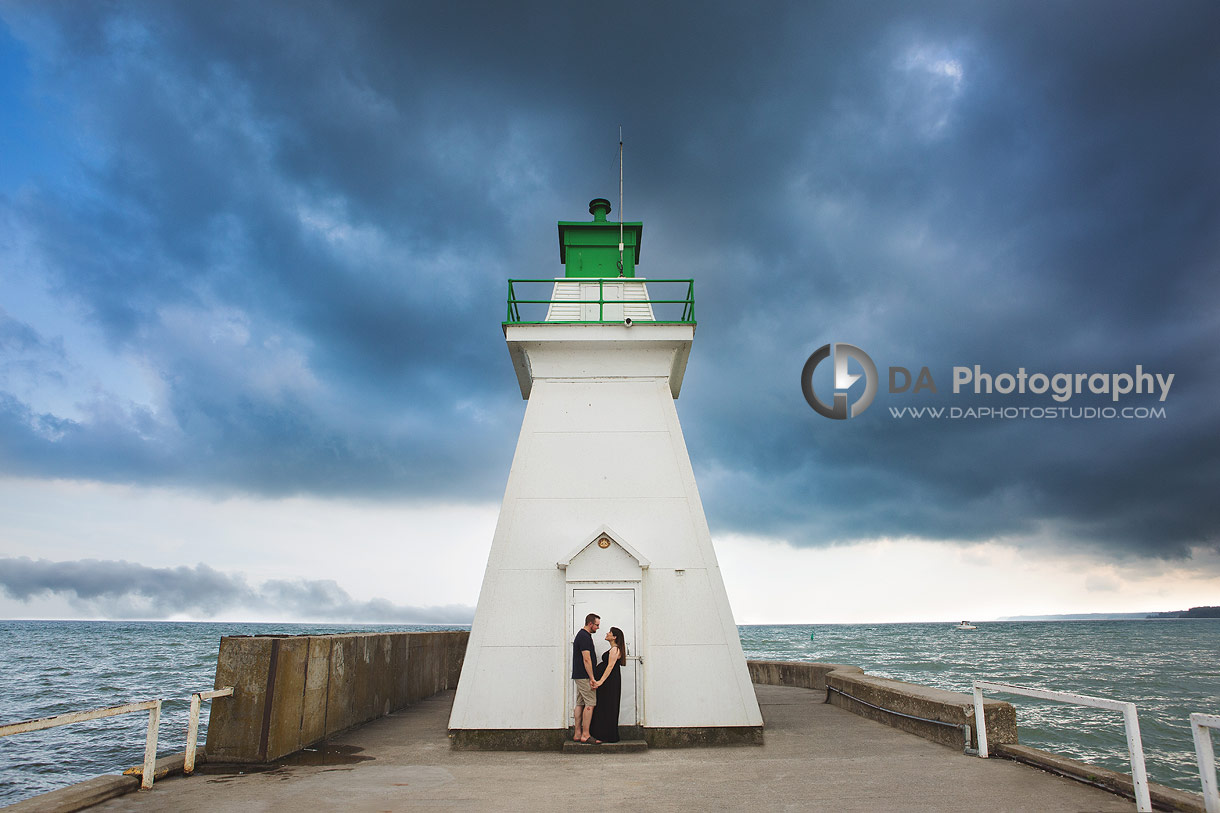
point(582, 673)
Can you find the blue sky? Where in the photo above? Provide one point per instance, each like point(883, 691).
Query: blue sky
point(253, 264)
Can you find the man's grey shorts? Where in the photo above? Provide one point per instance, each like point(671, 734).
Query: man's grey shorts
point(586, 695)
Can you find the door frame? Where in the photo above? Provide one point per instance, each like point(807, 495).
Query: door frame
point(636, 586)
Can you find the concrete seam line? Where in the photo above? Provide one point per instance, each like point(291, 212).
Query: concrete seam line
point(330, 657)
point(304, 689)
point(269, 699)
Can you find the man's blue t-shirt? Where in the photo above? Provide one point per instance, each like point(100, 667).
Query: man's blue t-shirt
point(583, 642)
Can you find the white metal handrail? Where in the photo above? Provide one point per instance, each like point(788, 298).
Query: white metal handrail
point(153, 707)
point(192, 730)
point(1199, 723)
point(1131, 723)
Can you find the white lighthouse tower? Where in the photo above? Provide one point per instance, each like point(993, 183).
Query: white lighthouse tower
point(602, 514)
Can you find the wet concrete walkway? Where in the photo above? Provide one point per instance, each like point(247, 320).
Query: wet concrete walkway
point(816, 757)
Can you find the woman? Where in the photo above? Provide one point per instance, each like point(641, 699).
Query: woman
point(609, 684)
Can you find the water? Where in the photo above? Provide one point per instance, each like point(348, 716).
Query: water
point(1168, 668)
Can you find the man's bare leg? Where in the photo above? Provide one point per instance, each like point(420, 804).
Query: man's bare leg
point(588, 716)
point(577, 717)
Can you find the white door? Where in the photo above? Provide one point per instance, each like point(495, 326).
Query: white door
point(611, 311)
point(616, 606)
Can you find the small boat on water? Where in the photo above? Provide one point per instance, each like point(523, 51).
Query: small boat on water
point(965, 625)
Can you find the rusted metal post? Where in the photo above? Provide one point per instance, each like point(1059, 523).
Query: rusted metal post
point(150, 746)
point(192, 736)
point(192, 730)
point(1135, 746)
point(1199, 725)
point(980, 721)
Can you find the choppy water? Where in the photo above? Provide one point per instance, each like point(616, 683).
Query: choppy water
point(1168, 668)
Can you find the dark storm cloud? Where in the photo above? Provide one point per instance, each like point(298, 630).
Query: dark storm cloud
point(1062, 218)
point(300, 220)
point(119, 588)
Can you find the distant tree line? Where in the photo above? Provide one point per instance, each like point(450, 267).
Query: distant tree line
point(1193, 612)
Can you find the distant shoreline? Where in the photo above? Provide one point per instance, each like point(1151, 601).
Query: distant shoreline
point(1173, 615)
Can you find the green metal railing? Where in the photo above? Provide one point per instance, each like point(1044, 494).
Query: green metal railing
point(685, 317)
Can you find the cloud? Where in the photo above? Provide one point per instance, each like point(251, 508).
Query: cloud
point(124, 589)
point(28, 360)
point(272, 258)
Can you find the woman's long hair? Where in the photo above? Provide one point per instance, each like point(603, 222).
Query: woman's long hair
point(620, 642)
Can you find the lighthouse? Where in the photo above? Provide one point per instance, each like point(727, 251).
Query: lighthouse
point(602, 515)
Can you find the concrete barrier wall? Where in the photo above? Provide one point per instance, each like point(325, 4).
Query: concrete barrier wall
point(907, 706)
point(293, 691)
point(803, 675)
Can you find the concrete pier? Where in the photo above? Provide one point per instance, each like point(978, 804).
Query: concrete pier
point(817, 756)
point(293, 691)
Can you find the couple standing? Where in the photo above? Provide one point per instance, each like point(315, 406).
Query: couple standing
point(597, 693)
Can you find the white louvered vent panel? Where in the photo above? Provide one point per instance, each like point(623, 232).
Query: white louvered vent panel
point(637, 306)
point(565, 302)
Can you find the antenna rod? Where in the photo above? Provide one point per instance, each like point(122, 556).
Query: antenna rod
point(620, 200)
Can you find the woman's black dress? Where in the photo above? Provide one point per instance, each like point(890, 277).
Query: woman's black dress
point(604, 726)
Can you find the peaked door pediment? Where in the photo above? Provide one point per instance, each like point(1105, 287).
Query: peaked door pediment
point(603, 556)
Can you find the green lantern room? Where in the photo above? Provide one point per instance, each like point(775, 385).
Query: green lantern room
point(593, 249)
